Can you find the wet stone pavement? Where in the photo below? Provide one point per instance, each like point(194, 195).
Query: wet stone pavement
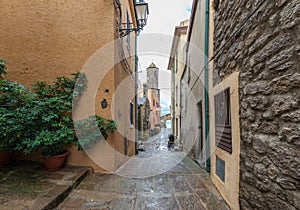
point(183, 186)
point(26, 185)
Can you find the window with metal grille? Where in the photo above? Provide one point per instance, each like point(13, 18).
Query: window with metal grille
point(223, 121)
point(131, 113)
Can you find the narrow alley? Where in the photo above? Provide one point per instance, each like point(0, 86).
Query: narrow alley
point(185, 186)
point(150, 105)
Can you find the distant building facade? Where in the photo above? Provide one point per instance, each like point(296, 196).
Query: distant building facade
point(192, 87)
point(164, 119)
point(154, 98)
point(176, 66)
point(143, 117)
point(152, 93)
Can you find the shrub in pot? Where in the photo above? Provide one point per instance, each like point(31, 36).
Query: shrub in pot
point(49, 114)
point(13, 96)
point(42, 120)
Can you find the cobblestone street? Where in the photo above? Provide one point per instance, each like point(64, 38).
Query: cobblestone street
point(185, 186)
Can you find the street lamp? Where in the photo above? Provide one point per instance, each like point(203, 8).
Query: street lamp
point(141, 14)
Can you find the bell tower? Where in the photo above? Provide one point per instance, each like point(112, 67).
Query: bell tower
point(152, 76)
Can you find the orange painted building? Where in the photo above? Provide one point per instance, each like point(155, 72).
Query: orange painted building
point(41, 40)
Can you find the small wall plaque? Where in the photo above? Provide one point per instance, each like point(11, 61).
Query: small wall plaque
point(220, 168)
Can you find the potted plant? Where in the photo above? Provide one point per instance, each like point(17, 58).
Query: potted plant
point(49, 117)
point(50, 113)
point(52, 134)
point(41, 120)
point(53, 144)
point(13, 95)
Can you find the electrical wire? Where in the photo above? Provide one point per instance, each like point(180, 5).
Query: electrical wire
point(226, 42)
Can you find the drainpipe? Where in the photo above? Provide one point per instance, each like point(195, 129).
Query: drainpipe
point(135, 87)
point(135, 92)
point(206, 72)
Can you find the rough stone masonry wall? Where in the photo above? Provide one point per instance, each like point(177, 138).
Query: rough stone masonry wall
point(265, 49)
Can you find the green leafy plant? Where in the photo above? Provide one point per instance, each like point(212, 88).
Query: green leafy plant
point(13, 95)
point(49, 114)
point(66, 89)
point(93, 129)
point(10, 130)
point(41, 119)
point(2, 68)
point(49, 129)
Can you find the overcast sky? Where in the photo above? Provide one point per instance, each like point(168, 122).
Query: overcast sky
point(154, 42)
point(164, 16)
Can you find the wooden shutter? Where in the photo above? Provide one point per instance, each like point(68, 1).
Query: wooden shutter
point(222, 121)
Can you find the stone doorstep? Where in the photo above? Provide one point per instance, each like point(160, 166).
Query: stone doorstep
point(178, 147)
point(61, 192)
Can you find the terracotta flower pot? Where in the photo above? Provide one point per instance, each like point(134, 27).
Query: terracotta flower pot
point(54, 163)
point(5, 159)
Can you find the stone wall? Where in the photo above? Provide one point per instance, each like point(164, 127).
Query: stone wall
point(261, 40)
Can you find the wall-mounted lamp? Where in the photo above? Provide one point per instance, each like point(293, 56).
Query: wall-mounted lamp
point(141, 14)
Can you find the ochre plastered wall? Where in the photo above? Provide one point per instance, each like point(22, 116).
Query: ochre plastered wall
point(124, 94)
point(41, 40)
point(124, 89)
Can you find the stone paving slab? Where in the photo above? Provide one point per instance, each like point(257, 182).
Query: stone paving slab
point(26, 185)
point(156, 179)
point(184, 187)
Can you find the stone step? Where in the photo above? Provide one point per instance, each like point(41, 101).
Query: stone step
point(64, 192)
point(27, 185)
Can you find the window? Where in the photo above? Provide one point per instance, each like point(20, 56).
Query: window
point(199, 105)
point(223, 121)
point(182, 96)
point(176, 61)
point(189, 70)
point(176, 95)
point(131, 114)
point(176, 127)
point(128, 26)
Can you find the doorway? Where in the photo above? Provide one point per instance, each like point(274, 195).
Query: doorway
point(199, 145)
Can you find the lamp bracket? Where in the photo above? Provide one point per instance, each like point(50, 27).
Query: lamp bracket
point(125, 31)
